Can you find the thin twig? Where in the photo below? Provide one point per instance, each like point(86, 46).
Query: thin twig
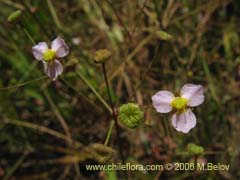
point(13, 4)
point(54, 14)
point(130, 56)
point(114, 116)
point(119, 19)
point(42, 129)
point(139, 16)
point(81, 94)
point(146, 72)
point(26, 33)
point(94, 91)
point(42, 27)
point(22, 84)
point(109, 132)
point(57, 113)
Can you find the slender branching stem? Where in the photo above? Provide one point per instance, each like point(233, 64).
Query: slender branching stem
point(113, 112)
point(114, 117)
point(109, 133)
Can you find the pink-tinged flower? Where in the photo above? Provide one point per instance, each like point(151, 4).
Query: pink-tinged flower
point(52, 66)
point(184, 119)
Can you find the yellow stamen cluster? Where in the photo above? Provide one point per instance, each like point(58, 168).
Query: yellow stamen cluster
point(179, 103)
point(49, 55)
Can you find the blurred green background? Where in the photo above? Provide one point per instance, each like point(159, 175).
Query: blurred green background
point(156, 45)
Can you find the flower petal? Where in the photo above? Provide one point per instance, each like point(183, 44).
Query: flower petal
point(184, 122)
point(162, 101)
point(39, 49)
point(194, 94)
point(60, 47)
point(53, 70)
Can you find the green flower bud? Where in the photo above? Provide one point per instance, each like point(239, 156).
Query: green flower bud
point(163, 35)
point(102, 55)
point(130, 115)
point(101, 153)
point(14, 16)
point(194, 149)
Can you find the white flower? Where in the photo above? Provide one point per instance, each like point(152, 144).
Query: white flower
point(184, 119)
point(52, 67)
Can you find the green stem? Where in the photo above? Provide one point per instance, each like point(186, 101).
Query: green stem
point(109, 133)
point(108, 88)
point(22, 84)
point(120, 19)
point(54, 14)
point(13, 4)
point(41, 129)
point(42, 27)
point(57, 113)
point(80, 94)
point(27, 33)
point(210, 80)
point(114, 117)
point(94, 91)
point(146, 72)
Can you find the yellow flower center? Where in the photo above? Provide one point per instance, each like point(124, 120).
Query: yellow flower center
point(49, 55)
point(179, 103)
